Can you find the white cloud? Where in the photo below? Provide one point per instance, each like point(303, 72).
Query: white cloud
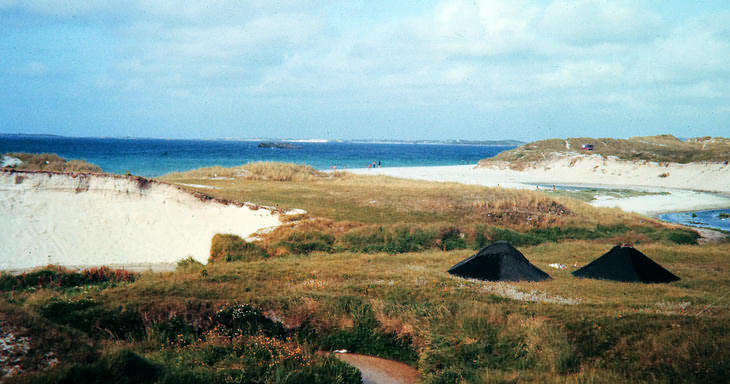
point(588, 22)
point(32, 69)
point(494, 53)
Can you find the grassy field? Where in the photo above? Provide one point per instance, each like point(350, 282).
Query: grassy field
point(662, 148)
point(361, 272)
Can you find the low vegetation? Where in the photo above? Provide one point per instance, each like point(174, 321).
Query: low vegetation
point(347, 198)
point(58, 277)
point(225, 247)
point(51, 162)
point(364, 270)
point(189, 326)
point(262, 170)
point(662, 148)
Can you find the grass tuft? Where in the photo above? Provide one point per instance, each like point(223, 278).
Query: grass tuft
point(52, 162)
point(226, 248)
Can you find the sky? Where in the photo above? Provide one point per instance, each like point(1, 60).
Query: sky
point(451, 69)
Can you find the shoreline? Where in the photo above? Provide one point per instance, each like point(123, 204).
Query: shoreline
point(666, 199)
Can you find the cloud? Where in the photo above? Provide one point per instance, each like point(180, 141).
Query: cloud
point(32, 69)
point(590, 22)
point(459, 54)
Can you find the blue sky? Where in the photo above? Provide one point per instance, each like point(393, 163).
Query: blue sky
point(483, 69)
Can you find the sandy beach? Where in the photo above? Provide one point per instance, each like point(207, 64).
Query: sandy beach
point(85, 220)
point(678, 187)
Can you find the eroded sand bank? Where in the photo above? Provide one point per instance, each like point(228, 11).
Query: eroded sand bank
point(85, 220)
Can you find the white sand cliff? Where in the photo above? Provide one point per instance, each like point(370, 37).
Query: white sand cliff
point(87, 219)
point(685, 187)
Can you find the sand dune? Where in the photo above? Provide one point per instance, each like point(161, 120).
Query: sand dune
point(84, 220)
point(685, 186)
point(595, 169)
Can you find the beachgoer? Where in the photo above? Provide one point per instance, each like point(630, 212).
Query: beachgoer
point(378, 163)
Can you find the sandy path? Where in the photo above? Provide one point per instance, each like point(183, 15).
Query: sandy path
point(375, 370)
point(86, 220)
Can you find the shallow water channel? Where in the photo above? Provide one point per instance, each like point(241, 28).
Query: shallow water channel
point(714, 218)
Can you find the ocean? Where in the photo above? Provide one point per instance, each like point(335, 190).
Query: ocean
point(156, 157)
point(715, 218)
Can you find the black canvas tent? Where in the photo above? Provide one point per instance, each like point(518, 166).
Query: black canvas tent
point(626, 263)
point(498, 262)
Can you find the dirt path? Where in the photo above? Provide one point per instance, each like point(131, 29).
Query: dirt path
point(375, 370)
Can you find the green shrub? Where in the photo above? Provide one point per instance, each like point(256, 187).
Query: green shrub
point(174, 329)
point(515, 238)
point(52, 162)
point(224, 247)
point(655, 348)
point(307, 242)
point(325, 371)
point(451, 238)
point(450, 359)
point(188, 264)
point(366, 336)
point(59, 277)
point(123, 367)
point(248, 320)
point(396, 239)
point(683, 236)
point(93, 318)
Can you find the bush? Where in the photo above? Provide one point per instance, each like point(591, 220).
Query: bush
point(52, 162)
point(174, 329)
point(189, 263)
point(366, 336)
point(307, 242)
point(248, 320)
point(398, 239)
point(280, 171)
point(683, 236)
point(324, 371)
point(515, 238)
point(653, 348)
point(233, 248)
point(94, 319)
point(451, 238)
point(123, 367)
point(59, 277)
point(450, 359)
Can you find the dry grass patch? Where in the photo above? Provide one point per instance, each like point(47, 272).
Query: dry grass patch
point(661, 148)
point(52, 162)
point(386, 200)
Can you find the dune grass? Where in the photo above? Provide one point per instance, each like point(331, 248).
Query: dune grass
point(385, 200)
point(52, 162)
point(662, 148)
point(405, 306)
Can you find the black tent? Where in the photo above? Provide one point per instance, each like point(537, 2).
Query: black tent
point(626, 263)
point(498, 262)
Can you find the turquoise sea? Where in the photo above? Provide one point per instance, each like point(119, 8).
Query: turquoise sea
point(155, 157)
